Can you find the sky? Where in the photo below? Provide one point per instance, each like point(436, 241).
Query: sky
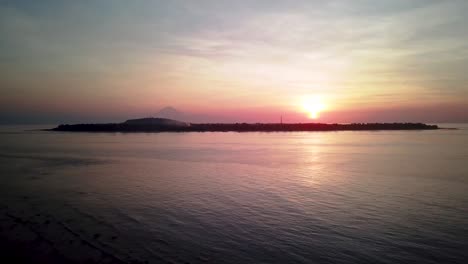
point(234, 61)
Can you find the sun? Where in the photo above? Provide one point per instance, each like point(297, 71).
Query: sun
point(313, 106)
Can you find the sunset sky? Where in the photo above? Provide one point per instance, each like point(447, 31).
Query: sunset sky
point(252, 61)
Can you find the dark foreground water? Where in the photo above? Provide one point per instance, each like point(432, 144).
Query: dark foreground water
point(320, 197)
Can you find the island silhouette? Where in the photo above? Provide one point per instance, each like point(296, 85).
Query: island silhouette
point(153, 124)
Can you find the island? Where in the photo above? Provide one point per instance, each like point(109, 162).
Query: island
point(152, 124)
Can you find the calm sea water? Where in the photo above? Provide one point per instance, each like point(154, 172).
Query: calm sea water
point(320, 197)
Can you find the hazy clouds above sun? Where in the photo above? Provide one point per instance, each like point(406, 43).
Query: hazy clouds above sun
point(246, 60)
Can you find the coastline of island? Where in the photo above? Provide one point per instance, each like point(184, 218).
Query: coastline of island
point(169, 125)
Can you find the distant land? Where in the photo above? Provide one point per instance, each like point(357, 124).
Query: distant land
point(152, 124)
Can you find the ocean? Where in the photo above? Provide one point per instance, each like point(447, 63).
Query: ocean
point(299, 197)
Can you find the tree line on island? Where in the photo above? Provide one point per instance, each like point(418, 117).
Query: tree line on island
point(169, 125)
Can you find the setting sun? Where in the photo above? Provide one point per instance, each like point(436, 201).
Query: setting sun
point(313, 107)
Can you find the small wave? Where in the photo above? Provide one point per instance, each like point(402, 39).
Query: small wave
point(55, 160)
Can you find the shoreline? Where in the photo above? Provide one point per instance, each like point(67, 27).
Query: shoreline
point(240, 127)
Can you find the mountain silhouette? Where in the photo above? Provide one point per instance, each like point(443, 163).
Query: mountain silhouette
point(171, 113)
point(155, 121)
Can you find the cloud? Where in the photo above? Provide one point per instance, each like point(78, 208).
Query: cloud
point(260, 53)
